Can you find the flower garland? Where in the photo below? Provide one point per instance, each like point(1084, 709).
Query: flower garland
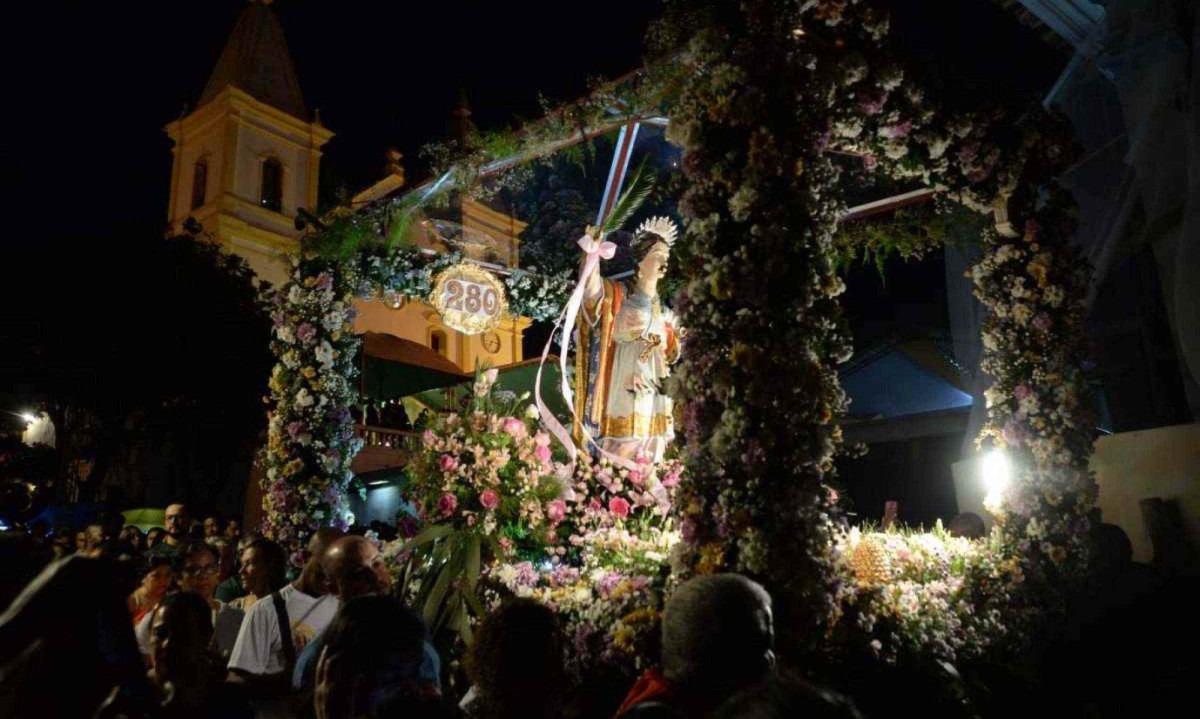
point(774, 88)
point(1038, 406)
point(310, 435)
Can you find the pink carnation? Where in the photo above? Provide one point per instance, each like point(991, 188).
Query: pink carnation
point(489, 499)
point(448, 462)
point(447, 504)
point(428, 437)
point(542, 453)
point(556, 511)
point(514, 427)
point(541, 439)
point(636, 477)
point(619, 507)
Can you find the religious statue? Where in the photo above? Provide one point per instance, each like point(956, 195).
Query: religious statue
point(627, 343)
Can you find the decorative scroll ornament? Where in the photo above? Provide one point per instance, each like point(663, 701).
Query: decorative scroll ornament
point(469, 299)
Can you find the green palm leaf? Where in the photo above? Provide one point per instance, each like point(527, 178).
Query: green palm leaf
point(635, 195)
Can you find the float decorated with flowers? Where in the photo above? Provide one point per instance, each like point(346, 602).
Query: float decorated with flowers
point(599, 512)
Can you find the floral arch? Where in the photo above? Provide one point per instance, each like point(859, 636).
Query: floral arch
point(769, 100)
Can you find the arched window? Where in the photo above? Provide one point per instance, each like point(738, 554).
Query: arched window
point(272, 184)
point(437, 342)
point(199, 182)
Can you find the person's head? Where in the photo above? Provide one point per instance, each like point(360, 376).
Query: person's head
point(198, 565)
point(181, 631)
point(178, 522)
point(1112, 552)
point(354, 567)
point(373, 651)
point(784, 697)
point(263, 567)
point(651, 248)
point(111, 524)
point(968, 525)
point(717, 636)
point(132, 536)
point(233, 529)
point(313, 573)
point(156, 575)
point(81, 541)
point(154, 535)
point(95, 535)
point(516, 661)
point(212, 526)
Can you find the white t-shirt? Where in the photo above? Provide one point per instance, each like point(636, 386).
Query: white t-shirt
point(259, 645)
point(226, 622)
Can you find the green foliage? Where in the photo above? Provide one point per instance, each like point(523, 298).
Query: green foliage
point(908, 233)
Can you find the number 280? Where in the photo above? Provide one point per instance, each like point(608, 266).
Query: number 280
point(470, 298)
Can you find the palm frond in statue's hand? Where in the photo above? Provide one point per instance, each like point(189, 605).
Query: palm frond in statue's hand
point(638, 189)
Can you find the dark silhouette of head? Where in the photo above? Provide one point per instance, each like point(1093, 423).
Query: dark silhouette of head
point(181, 632)
point(372, 653)
point(516, 661)
point(968, 525)
point(717, 637)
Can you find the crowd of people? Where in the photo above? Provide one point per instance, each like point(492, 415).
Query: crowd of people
point(201, 620)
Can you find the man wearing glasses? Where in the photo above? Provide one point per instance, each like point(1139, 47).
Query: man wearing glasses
point(178, 521)
point(198, 566)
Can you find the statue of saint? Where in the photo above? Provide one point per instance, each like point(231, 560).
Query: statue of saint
point(627, 343)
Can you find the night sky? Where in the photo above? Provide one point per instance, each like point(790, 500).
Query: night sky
point(90, 85)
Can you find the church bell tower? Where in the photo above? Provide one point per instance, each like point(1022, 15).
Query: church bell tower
point(248, 157)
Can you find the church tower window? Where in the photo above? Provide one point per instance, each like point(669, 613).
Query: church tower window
point(271, 196)
point(199, 182)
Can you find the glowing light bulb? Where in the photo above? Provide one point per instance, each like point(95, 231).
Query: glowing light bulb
point(997, 474)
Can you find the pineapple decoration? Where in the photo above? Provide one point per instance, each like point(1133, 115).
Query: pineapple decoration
point(870, 561)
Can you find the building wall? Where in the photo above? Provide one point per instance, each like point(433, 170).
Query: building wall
point(416, 321)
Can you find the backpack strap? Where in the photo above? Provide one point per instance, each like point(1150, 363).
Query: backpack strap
point(285, 634)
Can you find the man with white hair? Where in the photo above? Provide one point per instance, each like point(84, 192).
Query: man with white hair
point(718, 636)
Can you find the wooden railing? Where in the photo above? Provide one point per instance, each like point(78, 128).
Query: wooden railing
point(375, 436)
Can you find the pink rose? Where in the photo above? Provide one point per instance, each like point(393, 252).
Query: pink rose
point(428, 437)
point(556, 511)
point(448, 462)
point(514, 428)
point(447, 504)
point(671, 478)
point(489, 499)
point(542, 453)
point(636, 477)
point(619, 507)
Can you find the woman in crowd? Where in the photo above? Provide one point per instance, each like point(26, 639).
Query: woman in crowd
point(156, 576)
point(153, 536)
point(133, 537)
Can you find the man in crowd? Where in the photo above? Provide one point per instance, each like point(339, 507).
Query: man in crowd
point(277, 627)
point(263, 571)
point(717, 639)
point(212, 527)
point(354, 568)
point(197, 565)
point(178, 522)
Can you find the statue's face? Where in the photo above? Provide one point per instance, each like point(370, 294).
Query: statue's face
point(654, 264)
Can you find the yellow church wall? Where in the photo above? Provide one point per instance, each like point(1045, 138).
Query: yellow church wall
point(416, 321)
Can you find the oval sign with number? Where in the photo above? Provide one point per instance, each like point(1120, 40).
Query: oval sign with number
point(469, 299)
